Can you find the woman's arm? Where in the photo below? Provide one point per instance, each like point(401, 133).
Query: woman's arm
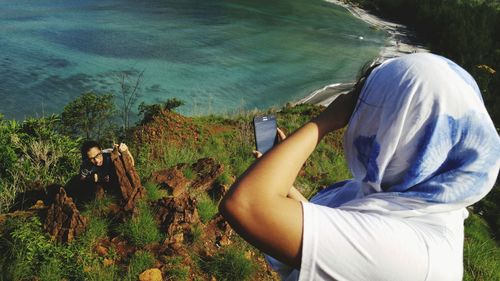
point(293, 193)
point(257, 206)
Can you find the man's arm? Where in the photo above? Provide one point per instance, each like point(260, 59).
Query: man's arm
point(123, 148)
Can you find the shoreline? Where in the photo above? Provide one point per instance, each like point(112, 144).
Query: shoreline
point(400, 41)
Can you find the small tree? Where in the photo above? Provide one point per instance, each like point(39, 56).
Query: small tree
point(130, 85)
point(90, 115)
point(149, 111)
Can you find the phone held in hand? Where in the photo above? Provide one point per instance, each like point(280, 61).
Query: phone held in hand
point(265, 132)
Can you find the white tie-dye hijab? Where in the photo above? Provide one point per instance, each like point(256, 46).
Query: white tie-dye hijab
point(419, 141)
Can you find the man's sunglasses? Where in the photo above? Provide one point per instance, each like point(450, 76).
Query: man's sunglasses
point(96, 156)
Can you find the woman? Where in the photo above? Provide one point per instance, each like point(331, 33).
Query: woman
point(421, 147)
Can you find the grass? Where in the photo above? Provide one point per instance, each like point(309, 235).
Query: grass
point(207, 208)
point(177, 271)
point(141, 230)
point(481, 253)
point(224, 179)
point(51, 270)
point(139, 262)
point(189, 173)
point(98, 207)
point(96, 229)
point(230, 264)
point(154, 192)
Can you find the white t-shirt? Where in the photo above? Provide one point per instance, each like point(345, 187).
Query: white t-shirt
point(352, 245)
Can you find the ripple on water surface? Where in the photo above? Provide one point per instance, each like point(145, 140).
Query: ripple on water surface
point(217, 56)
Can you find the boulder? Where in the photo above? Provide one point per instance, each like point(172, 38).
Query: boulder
point(207, 171)
point(176, 216)
point(128, 179)
point(64, 222)
point(173, 179)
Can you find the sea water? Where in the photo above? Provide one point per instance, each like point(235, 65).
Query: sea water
point(216, 56)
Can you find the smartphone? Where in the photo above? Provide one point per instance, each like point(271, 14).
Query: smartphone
point(265, 132)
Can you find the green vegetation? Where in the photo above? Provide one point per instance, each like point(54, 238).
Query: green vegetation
point(90, 115)
point(33, 154)
point(177, 271)
point(154, 192)
point(231, 264)
point(141, 229)
point(481, 253)
point(207, 208)
point(149, 111)
point(138, 263)
point(29, 252)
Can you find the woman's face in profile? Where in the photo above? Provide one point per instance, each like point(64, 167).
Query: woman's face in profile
point(95, 156)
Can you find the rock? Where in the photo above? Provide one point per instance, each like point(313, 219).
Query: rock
point(128, 179)
point(223, 231)
point(207, 171)
point(63, 221)
point(153, 274)
point(101, 251)
point(173, 179)
point(176, 216)
point(218, 191)
point(108, 262)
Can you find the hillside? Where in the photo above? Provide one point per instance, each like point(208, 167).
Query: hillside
point(185, 164)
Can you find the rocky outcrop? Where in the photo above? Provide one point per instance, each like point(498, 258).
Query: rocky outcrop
point(172, 179)
point(64, 222)
point(205, 171)
point(177, 215)
point(128, 179)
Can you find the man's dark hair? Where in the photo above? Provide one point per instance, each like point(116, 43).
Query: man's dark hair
point(87, 145)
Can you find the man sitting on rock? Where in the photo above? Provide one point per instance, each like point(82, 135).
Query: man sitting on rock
point(97, 165)
point(97, 173)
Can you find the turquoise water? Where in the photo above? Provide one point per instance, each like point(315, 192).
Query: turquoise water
point(217, 56)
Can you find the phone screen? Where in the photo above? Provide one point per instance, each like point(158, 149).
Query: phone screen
point(265, 132)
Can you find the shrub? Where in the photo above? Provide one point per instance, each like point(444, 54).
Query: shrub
point(29, 252)
point(89, 116)
point(149, 111)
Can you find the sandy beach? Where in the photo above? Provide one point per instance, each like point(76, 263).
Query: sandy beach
point(400, 41)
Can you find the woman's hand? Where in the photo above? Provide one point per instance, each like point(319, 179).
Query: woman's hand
point(281, 137)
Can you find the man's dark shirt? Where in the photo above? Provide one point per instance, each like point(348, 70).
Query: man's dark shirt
point(105, 172)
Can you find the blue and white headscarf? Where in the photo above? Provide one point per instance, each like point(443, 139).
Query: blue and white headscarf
point(419, 141)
